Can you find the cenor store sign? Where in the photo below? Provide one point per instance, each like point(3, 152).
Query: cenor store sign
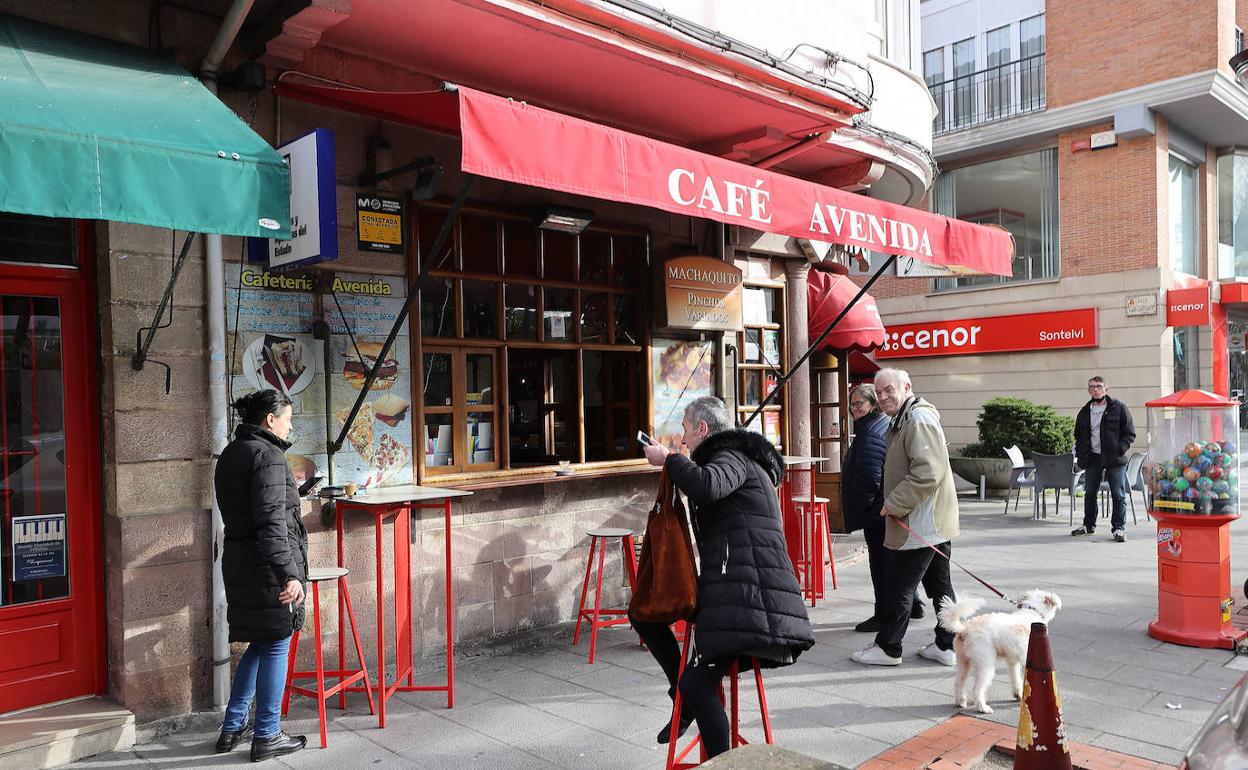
point(1188, 307)
point(993, 334)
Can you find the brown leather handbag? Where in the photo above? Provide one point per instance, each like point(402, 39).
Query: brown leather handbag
point(667, 579)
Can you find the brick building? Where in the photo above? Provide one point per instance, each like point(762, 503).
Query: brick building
point(1115, 163)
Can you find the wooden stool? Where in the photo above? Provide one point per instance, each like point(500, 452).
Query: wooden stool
point(595, 616)
point(346, 678)
point(676, 761)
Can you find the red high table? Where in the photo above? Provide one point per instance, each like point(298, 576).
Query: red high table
point(392, 505)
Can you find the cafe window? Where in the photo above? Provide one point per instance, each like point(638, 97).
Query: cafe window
point(760, 346)
point(531, 344)
point(1018, 194)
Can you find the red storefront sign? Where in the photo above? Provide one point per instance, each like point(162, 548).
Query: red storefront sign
point(1188, 307)
point(992, 334)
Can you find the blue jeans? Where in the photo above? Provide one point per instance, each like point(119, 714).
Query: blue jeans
point(1117, 476)
point(261, 676)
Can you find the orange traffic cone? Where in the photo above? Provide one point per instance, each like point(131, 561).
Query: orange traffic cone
point(1042, 741)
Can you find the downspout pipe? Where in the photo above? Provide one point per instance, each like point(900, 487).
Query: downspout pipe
point(214, 270)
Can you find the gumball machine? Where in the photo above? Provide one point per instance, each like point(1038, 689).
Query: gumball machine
point(1192, 477)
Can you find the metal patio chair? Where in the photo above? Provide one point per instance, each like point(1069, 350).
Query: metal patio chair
point(1021, 475)
point(1135, 483)
point(1056, 472)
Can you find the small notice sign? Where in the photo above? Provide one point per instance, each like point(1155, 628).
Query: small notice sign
point(379, 223)
point(38, 547)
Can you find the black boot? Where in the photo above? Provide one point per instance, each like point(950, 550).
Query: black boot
point(917, 611)
point(230, 738)
point(870, 625)
point(666, 732)
point(277, 746)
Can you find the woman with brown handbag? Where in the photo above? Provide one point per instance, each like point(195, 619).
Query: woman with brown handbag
point(748, 600)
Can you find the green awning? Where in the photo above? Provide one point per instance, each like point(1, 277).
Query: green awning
point(94, 129)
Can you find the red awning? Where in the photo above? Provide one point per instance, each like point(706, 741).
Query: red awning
point(517, 142)
point(826, 295)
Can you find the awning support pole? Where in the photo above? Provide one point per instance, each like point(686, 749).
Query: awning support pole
point(819, 341)
point(144, 344)
point(426, 263)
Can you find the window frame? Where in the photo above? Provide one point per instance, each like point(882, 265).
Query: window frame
point(632, 282)
point(778, 405)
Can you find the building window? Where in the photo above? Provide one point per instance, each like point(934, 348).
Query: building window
point(1031, 63)
point(998, 79)
point(39, 240)
point(1233, 215)
point(1184, 217)
point(762, 362)
point(530, 344)
point(934, 76)
point(1186, 358)
point(964, 81)
point(1019, 194)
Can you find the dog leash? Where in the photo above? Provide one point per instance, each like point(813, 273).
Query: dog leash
point(950, 559)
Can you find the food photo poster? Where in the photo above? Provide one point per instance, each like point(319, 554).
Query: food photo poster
point(682, 371)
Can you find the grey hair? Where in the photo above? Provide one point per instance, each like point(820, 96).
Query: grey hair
point(867, 391)
point(710, 410)
point(899, 376)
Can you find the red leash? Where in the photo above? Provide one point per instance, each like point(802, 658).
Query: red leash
point(982, 582)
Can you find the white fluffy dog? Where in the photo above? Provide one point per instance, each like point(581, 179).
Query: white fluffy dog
point(982, 639)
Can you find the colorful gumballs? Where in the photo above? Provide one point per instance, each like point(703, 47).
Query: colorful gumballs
point(1220, 487)
point(1229, 447)
point(1193, 449)
point(1166, 488)
point(1215, 472)
point(1202, 463)
point(1181, 485)
point(1204, 483)
point(1227, 460)
point(1191, 494)
point(1191, 474)
point(1174, 471)
point(1213, 448)
point(1180, 459)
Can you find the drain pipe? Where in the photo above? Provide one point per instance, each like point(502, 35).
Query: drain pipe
point(214, 269)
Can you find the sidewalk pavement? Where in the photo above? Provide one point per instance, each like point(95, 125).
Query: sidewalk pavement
point(548, 708)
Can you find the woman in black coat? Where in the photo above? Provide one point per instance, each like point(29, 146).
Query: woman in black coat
point(749, 602)
point(264, 564)
point(862, 496)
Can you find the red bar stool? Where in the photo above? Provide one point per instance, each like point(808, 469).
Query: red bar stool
point(597, 617)
point(815, 537)
point(346, 678)
point(677, 761)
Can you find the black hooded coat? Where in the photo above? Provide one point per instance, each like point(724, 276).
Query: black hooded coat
point(266, 544)
point(749, 602)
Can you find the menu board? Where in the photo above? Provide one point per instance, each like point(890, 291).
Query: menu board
point(680, 373)
point(269, 321)
point(378, 448)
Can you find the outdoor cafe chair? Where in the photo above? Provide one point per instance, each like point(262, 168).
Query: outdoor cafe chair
point(1020, 475)
point(1135, 483)
point(1056, 472)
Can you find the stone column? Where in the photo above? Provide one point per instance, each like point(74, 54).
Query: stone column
point(797, 392)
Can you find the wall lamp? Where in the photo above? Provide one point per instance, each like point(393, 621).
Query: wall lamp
point(1239, 63)
point(428, 175)
point(564, 219)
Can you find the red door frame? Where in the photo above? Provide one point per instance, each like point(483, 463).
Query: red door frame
point(75, 288)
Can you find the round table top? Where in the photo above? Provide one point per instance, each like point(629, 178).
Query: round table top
point(608, 532)
point(321, 574)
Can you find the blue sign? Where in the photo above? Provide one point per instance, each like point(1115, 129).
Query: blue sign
point(313, 205)
point(38, 547)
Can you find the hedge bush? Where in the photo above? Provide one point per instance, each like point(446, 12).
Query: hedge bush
point(1006, 421)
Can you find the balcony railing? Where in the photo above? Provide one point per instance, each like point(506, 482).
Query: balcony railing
point(989, 95)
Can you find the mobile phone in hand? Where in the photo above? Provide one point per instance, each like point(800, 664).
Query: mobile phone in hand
point(644, 438)
point(308, 485)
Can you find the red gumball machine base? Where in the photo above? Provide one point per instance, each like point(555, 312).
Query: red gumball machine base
point(1194, 581)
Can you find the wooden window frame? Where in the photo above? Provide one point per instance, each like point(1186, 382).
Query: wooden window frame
point(744, 410)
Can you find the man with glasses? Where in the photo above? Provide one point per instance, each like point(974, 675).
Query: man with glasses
point(1104, 432)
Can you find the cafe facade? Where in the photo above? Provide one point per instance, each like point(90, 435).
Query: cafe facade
point(583, 267)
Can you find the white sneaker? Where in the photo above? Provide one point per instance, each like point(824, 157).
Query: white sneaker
point(943, 657)
point(874, 656)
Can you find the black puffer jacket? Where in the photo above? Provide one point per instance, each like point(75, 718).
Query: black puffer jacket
point(1117, 434)
point(749, 602)
point(266, 544)
point(862, 476)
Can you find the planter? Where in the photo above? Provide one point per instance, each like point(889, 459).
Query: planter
point(995, 470)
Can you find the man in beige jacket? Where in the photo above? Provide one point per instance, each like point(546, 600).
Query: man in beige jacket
point(919, 492)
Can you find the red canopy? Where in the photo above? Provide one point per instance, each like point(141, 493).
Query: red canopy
point(826, 295)
point(1196, 398)
point(517, 142)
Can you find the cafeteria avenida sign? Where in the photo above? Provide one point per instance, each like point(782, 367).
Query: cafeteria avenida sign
point(703, 293)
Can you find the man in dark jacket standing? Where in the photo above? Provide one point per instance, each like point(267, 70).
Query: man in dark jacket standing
point(1104, 432)
point(749, 603)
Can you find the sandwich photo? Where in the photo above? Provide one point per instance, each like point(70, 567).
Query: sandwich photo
point(391, 409)
point(355, 368)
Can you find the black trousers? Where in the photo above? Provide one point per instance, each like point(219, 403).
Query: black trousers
point(699, 686)
point(877, 562)
point(906, 571)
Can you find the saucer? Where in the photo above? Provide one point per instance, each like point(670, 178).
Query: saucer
point(565, 472)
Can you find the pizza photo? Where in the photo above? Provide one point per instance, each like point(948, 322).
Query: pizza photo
point(362, 429)
point(391, 458)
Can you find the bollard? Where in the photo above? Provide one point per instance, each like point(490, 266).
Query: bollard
point(1042, 743)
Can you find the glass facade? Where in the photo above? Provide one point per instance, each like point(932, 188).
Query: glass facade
point(1019, 194)
point(1184, 217)
point(1233, 215)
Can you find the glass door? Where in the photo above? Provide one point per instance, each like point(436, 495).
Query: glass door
point(51, 622)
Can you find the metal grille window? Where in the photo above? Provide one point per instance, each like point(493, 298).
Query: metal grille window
point(1031, 61)
point(964, 81)
point(998, 77)
point(1019, 194)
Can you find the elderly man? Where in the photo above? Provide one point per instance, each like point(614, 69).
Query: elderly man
point(920, 508)
point(749, 603)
